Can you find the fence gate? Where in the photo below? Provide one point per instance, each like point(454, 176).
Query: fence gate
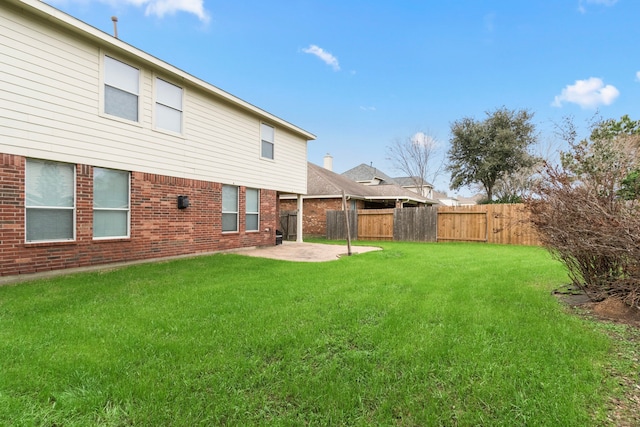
point(289, 224)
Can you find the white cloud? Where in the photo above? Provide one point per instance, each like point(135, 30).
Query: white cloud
point(583, 9)
point(325, 56)
point(160, 8)
point(638, 76)
point(588, 93)
point(163, 7)
point(421, 138)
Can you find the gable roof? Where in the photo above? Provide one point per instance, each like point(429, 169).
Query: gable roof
point(364, 172)
point(323, 183)
point(88, 32)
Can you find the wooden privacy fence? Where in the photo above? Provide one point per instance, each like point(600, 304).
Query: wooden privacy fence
point(415, 224)
point(506, 224)
point(375, 224)
point(409, 224)
point(337, 225)
point(500, 223)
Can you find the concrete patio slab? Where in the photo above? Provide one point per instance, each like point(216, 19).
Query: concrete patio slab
point(305, 252)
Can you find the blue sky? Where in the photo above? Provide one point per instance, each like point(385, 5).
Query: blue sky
point(361, 74)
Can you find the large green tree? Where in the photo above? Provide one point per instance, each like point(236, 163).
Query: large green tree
point(483, 152)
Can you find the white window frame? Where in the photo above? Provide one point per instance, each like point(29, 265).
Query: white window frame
point(127, 209)
point(165, 103)
point(105, 82)
point(249, 213)
point(43, 207)
point(229, 212)
point(267, 139)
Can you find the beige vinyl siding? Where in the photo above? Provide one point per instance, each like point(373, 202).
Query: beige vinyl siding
point(50, 98)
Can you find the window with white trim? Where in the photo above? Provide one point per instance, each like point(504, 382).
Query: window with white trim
point(168, 106)
point(50, 201)
point(229, 208)
point(110, 203)
point(267, 137)
point(252, 210)
point(121, 89)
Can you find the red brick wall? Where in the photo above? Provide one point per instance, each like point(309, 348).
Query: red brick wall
point(158, 227)
point(314, 221)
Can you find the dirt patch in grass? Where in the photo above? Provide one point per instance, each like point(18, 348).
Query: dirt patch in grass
point(615, 310)
point(625, 409)
point(611, 309)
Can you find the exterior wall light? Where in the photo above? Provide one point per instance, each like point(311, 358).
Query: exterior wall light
point(183, 202)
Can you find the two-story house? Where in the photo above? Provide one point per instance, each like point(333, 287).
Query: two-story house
point(109, 154)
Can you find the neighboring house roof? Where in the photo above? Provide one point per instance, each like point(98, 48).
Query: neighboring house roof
point(446, 200)
point(470, 201)
point(439, 195)
point(410, 181)
point(323, 183)
point(87, 31)
point(365, 173)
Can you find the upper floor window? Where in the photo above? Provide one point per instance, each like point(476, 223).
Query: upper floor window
point(110, 203)
point(267, 137)
point(121, 89)
point(50, 201)
point(229, 208)
point(168, 106)
point(252, 214)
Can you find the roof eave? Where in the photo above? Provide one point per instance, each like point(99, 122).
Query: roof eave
point(320, 196)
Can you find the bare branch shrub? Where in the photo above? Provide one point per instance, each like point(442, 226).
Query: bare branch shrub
point(587, 218)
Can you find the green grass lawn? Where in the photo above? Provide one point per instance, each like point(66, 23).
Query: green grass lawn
point(416, 334)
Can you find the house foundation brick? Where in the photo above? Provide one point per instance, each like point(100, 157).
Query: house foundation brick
point(157, 227)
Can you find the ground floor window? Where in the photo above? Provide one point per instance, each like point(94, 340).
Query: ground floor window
point(110, 203)
point(229, 208)
point(50, 201)
point(252, 215)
